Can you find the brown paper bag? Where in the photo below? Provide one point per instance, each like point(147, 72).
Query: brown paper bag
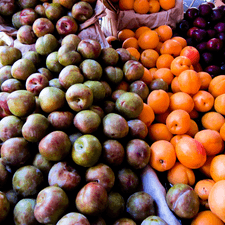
point(116, 20)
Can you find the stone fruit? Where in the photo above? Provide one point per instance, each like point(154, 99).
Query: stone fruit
point(42, 26)
point(129, 105)
point(92, 199)
point(128, 180)
point(61, 120)
point(67, 4)
point(183, 201)
point(27, 181)
point(28, 16)
point(116, 205)
point(137, 153)
point(16, 20)
point(113, 75)
point(9, 55)
point(116, 94)
point(51, 204)
point(108, 89)
point(21, 103)
point(111, 122)
point(22, 69)
point(91, 69)
point(51, 99)
point(52, 62)
point(87, 121)
point(82, 11)
point(124, 55)
point(153, 220)
point(64, 176)
point(4, 175)
point(137, 129)
point(97, 109)
point(11, 85)
point(70, 75)
point(55, 83)
point(40, 10)
point(89, 48)
point(45, 72)
point(4, 109)
point(46, 44)
point(113, 152)
point(140, 205)
point(35, 127)
point(4, 206)
point(25, 35)
point(27, 3)
point(108, 106)
point(158, 84)
point(54, 11)
point(79, 97)
point(133, 70)
point(15, 151)
point(67, 55)
point(34, 57)
point(109, 56)
point(7, 8)
point(23, 212)
point(71, 39)
point(12, 197)
point(124, 221)
point(10, 126)
point(73, 218)
point(86, 150)
point(66, 25)
point(139, 87)
point(55, 146)
point(102, 174)
point(5, 73)
point(36, 82)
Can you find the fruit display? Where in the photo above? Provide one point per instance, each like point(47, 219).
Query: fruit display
point(129, 133)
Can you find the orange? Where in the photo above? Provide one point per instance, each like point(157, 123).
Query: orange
point(217, 85)
point(181, 174)
point(130, 42)
point(164, 61)
point(206, 218)
point(203, 187)
point(175, 85)
point(165, 32)
point(149, 57)
point(176, 138)
point(158, 47)
point(149, 39)
point(158, 100)
point(159, 131)
point(197, 67)
point(211, 140)
point(194, 114)
point(205, 80)
point(189, 82)
point(139, 31)
point(154, 6)
point(134, 52)
point(126, 4)
point(165, 74)
point(217, 199)
point(222, 131)
point(171, 47)
point(141, 6)
point(178, 121)
point(179, 64)
point(181, 100)
point(182, 41)
point(203, 101)
point(163, 156)
point(205, 169)
point(212, 120)
point(167, 4)
point(147, 76)
point(219, 104)
point(190, 152)
point(193, 128)
point(125, 33)
point(147, 115)
point(161, 117)
point(192, 53)
point(217, 168)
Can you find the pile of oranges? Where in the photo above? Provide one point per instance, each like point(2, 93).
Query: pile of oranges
point(145, 6)
point(186, 123)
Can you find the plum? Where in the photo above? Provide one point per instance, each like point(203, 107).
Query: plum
point(66, 25)
point(52, 62)
point(109, 56)
point(42, 26)
point(73, 218)
point(4, 206)
point(137, 129)
point(113, 75)
point(11, 85)
point(25, 35)
point(9, 55)
point(133, 70)
point(82, 11)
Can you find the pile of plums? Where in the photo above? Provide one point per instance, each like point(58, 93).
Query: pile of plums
point(204, 28)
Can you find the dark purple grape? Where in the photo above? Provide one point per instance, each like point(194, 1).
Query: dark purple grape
point(222, 68)
point(220, 27)
point(213, 70)
point(211, 33)
point(214, 44)
point(199, 22)
point(216, 14)
point(201, 46)
point(183, 26)
point(190, 41)
point(204, 9)
point(206, 58)
point(191, 30)
point(211, 4)
point(191, 13)
point(221, 36)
